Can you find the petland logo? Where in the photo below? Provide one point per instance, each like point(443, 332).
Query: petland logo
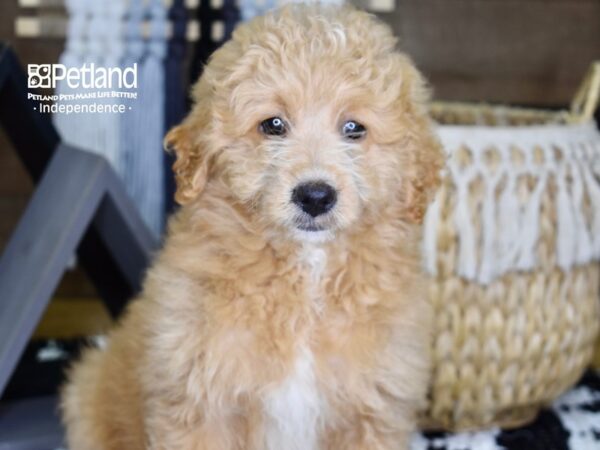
point(87, 76)
point(82, 90)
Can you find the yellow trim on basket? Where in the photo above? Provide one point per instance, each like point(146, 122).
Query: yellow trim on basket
point(587, 97)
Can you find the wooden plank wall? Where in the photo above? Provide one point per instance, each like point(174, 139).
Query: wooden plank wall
point(15, 185)
point(516, 51)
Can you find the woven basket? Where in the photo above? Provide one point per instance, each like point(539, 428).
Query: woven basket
point(512, 242)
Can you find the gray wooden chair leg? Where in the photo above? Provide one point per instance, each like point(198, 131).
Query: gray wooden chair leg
point(78, 188)
point(30, 424)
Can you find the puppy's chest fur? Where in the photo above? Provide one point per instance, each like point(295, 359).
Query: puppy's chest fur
point(295, 407)
point(312, 260)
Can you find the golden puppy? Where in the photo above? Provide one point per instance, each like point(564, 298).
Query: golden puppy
point(287, 309)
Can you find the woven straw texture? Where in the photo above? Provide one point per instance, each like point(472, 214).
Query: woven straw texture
point(512, 245)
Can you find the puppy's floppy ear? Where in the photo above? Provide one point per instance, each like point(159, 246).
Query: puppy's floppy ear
point(423, 175)
point(422, 181)
point(191, 166)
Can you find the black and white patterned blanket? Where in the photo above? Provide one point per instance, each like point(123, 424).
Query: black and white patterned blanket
point(572, 423)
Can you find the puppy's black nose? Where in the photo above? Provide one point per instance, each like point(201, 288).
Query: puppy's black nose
point(315, 197)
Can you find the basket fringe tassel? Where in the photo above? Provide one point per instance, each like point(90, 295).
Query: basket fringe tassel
point(498, 229)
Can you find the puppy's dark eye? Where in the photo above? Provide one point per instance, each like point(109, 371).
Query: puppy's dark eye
point(274, 126)
point(353, 130)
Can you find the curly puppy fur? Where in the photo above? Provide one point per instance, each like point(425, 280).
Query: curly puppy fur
point(251, 334)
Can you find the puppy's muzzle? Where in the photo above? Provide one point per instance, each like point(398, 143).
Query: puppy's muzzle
point(315, 197)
